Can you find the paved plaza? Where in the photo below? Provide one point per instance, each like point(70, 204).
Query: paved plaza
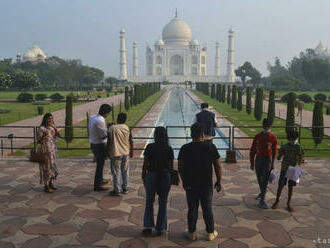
point(76, 216)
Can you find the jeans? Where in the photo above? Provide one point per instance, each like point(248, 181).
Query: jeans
point(119, 169)
point(156, 182)
point(262, 167)
point(204, 196)
point(99, 151)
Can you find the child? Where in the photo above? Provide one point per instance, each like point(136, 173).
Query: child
point(293, 155)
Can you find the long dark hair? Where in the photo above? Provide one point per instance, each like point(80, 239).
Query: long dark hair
point(45, 119)
point(160, 136)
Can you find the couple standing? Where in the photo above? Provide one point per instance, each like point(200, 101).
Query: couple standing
point(114, 141)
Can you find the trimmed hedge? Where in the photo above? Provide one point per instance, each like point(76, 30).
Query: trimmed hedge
point(317, 129)
point(5, 110)
point(320, 97)
point(41, 103)
point(40, 97)
point(290, 114)
point(56, 97)
point(25, 97)
point(305, 98)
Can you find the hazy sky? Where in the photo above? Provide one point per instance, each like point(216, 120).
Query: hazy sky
point(89, 29)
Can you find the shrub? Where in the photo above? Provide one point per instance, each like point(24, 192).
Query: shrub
point(271, 106)
point(40, 103)
point(126, 98)
point(40, 110)
point(5, 110)
point(223, 95)
point(320, 97)
point(40, 97)
point(56, 97)
point(234, 97)
point(239, 99)
point(290, 117)
point(258, 106)
point(218, 92)
point(68, 120)
point(285, 98)
point(228, 95)
point(305, 98)
point(317, 129)
point(25, 97)
point(248, 100)
point(213, 91)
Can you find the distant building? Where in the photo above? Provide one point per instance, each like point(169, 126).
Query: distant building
point(34, 55)
point(322, 52)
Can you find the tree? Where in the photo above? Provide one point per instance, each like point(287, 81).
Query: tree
point(5, 80)
point(131, 97)
point(239, 99)
point(126, 98)
point(244, 71)
point(213, 91)
point(255, 76)
point(320, 97)
point(25, 80)
point(305, 98)
point(218, 93)
point(228, 95)
point(223, 97)
point(271, 106)
point(290, 113)
point(234, 97)
point(258, 105)
point(285, 82)
point(317, 128)
point(277, 68)
point(69, 119)
point(248, 100)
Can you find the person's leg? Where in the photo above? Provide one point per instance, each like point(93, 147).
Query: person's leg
point(150, 188)
point(115, 170)
point(193, 204)
point(264, 170)
point(99, 152)
point(206, 197)
point(258, 170)
point(281, 183)
point(291, 184)
point(164, 189)
point(124, 173)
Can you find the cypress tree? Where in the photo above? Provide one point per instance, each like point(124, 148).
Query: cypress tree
point(218, 94)
point(112, 112)
point(271, 106)
point(213, 91)
point(87, 119)
point(234, 97)
point(258, 104)
point(317, 128)
point(223, 97)
point(126, 99)
point(239, 99)
point(290, 117)
point(228, 94)
point(248, 100)
point(135, 95)
point(68, 119)
point(131, 97)
point(120, 108)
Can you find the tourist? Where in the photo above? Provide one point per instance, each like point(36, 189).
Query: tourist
point(207, 120)
point(262, 157)
point(156, 177)
point(47, 136)
point(120, 145)
point(195, 162)
point(293, 155)
point(98, 139)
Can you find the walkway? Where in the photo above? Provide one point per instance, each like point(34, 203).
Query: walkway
point(79, 114)
point(76, 216)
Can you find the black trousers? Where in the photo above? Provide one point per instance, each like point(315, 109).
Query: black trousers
point(99, 151)
point(262, 168)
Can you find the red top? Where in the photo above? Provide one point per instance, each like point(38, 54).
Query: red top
point(263, 145)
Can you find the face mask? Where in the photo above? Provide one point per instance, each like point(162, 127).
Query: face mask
point(293, 142)
point(266, 130)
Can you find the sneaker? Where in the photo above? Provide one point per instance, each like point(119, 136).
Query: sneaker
point(125, 191)
point(263, 205)
point(147, 231)
point(99, 188)
point(275, 205)
point(258, 197)
point(191, 236)
point(114, 193)
point(212, 236)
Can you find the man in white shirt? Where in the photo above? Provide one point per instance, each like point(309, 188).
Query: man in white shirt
point(120, 145)
point(98, 139)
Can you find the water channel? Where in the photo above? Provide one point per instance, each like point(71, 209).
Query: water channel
point(180, 110)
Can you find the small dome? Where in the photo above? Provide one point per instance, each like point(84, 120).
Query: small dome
point(194, 42)
point(159, 43)
point(177, 32)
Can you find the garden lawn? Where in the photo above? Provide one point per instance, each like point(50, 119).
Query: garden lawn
point(241, 118)
point(134, 115)
point(20, 111)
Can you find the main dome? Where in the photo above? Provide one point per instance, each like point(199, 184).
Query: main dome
point(176, 32)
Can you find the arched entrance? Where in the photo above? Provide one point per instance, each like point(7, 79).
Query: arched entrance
point(176, 65)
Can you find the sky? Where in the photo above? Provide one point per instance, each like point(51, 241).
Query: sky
point(89, 29)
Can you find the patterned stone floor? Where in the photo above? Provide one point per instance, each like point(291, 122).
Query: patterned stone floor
point(76, 216)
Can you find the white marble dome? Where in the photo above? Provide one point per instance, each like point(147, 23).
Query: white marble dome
point(159, 42)
point(194, 42)
point(32, 54)
point(177, 32)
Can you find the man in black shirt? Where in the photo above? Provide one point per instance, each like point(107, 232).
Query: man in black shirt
point(195, 162)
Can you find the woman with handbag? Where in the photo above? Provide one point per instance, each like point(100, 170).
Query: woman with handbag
point(47, 136)
point(156, 176)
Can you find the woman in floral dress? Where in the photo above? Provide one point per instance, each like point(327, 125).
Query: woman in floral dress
point(47, 136)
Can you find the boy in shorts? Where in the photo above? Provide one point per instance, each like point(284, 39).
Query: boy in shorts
point(293, 155)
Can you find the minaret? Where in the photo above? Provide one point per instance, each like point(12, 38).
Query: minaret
point(123, 64)
point(231, 60)
point(217, 59)
point(135, 60)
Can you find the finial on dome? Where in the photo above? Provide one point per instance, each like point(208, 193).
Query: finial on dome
point(176, 12)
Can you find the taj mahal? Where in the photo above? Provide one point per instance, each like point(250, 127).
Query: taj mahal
point(177, 58)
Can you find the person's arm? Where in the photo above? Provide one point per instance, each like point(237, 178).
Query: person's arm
point(101, 129)
point(253, 151)
point(274, 151)
point(218, 174)
point(131, 145)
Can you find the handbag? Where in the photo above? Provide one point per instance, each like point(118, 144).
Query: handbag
point(36, 155)
point(175, 180)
